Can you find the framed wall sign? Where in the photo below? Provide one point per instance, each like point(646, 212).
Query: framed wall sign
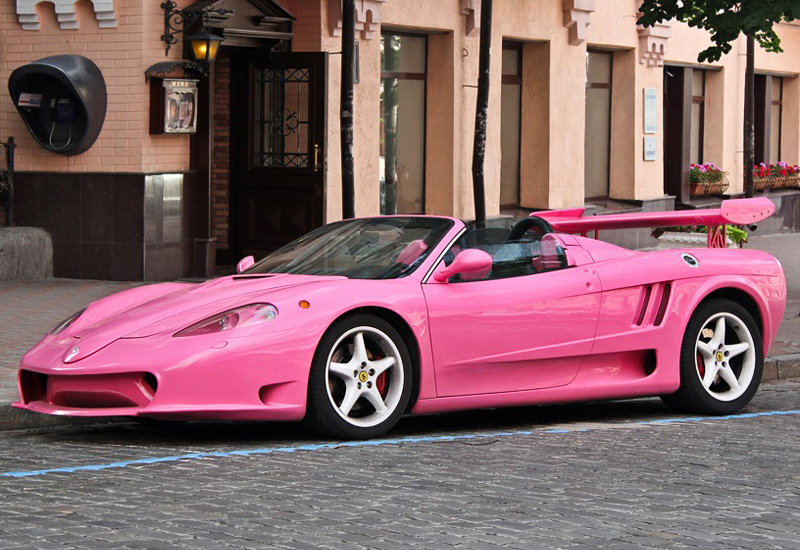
point(650, 124)
point(650, 147)
point(173, 106)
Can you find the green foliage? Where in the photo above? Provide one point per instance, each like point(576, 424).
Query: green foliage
point(725, 20)
point(736, 234)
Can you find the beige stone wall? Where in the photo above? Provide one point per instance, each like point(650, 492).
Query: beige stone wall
point(553, 103)
point(553, 95)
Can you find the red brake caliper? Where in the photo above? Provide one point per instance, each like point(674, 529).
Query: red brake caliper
point(701, 366)
point(380, 382)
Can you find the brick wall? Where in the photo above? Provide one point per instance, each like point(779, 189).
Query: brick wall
point(122, 54)
point(220, 160)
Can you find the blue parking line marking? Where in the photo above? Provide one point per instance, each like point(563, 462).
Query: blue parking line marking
point(381, 442)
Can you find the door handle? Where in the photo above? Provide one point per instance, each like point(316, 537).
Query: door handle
point(316, 158)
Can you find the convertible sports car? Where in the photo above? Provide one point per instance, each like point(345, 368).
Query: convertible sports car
point(364, 320)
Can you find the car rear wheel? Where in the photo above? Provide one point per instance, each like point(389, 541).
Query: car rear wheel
point(722, 360)
point(360, 381)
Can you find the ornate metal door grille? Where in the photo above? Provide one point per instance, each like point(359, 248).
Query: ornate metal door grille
point(283, 139)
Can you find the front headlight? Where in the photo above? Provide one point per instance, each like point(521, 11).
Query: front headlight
point(62, 326)
point(228, 320)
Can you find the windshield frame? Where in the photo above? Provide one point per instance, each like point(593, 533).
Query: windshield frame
point(316, 250)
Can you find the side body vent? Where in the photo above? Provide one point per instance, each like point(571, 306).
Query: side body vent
point(662, 306)
point(653, 305)
point(643, 305)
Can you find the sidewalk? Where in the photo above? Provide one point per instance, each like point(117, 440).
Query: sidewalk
point(28, 309)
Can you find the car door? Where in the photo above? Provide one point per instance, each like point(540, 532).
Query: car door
point(513, 333)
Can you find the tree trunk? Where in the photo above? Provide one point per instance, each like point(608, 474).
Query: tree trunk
point(348, 72)
point(481, 114)
point(749, 119)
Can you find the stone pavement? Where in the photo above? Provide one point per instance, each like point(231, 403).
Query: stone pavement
point(28, 309)
point(616, 476)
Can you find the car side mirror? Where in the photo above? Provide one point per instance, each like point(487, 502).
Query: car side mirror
point(245, 264)
point(469, 262)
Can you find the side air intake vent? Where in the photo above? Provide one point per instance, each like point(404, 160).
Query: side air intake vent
point(662, 306)
point(644, 305)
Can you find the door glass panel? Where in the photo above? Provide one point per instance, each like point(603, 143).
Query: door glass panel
point(697, 113)
point(402, 146)
point(509, 159)
point(775, 120)
point(511, 109)
point(511, 62)
point(598, 124)
point(598, 67)
point(282, 124)
point(694, 150)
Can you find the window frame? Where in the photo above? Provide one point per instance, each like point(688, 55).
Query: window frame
point(515, 80)
point(701, 100)
point(414, 77)
point(601, 86)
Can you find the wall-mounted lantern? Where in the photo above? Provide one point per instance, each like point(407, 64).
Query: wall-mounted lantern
point(204, 44)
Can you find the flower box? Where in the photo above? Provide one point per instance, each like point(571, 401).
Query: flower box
point(774, 176)
point(707, 179)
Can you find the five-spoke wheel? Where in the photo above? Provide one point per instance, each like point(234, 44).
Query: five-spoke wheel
point(722, 360)
point(360, 380)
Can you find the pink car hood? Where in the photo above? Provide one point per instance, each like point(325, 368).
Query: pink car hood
point(180, 308)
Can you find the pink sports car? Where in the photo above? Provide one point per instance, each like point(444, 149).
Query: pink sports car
point(364, 320)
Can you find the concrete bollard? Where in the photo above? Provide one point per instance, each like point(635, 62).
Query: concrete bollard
point(25, 253)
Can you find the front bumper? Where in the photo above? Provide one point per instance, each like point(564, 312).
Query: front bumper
point(159, 377)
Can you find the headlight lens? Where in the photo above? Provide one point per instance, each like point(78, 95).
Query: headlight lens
point(228, 320)
point(62, 326)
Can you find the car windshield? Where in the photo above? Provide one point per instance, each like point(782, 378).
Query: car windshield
point(371, 248)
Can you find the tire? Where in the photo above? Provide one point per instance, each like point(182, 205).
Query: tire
point(360, 381)
point(721, 362)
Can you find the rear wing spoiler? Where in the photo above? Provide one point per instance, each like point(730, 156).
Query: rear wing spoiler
point(734, 211)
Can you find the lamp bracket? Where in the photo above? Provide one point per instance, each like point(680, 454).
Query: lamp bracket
point(177, 21)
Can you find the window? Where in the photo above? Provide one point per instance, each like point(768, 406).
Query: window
point(698, 116)
point(402, 146)
point(768, 112)
point(510, 115)
point(776, 108)
point(598, 124)
point(518, 247)
point(282, 137)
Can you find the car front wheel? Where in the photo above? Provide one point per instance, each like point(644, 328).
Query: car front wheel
point(360, 381)
point(722, 360)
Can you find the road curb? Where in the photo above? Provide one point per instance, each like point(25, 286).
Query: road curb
point(780, 367)
point(12, 418)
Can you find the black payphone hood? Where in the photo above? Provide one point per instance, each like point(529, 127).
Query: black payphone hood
point(78, 75)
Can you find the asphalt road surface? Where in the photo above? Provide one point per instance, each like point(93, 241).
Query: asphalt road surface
point(624, 475)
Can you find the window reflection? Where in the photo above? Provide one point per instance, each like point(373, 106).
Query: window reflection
point(402, 148)
point(597, 145)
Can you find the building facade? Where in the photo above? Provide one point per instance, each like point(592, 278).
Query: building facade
point(585, 108)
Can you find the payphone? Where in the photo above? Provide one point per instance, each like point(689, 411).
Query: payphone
point(62, 100)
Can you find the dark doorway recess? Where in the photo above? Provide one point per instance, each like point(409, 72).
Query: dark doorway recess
point(277, 149)
point(677, 128)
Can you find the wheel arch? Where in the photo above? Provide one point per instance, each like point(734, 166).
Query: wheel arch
point(406, 334)
point(740, 297)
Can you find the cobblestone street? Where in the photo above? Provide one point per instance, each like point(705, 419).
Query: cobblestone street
point(617, 476)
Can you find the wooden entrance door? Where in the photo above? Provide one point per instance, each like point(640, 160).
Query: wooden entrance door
point(278, 108)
